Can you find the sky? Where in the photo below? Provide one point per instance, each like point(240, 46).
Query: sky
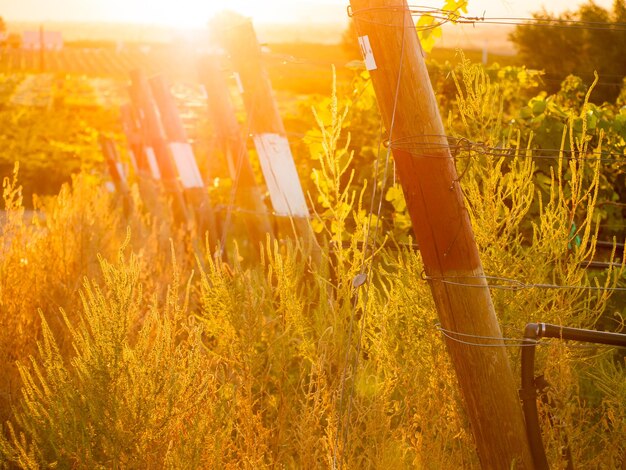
point(196, 13)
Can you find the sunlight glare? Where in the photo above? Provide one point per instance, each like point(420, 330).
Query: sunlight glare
point(186, 14)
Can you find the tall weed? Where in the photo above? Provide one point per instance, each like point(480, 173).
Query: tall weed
point(284, 363)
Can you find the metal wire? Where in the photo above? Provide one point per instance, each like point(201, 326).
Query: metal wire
point(512, 284)
point(445, 16)
point(341, 429)
point(422, 145)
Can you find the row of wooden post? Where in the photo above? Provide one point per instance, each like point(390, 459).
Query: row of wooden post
point(164, 160)
point(441, 223)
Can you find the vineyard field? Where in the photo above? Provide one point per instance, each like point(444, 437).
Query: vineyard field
point(162, 305)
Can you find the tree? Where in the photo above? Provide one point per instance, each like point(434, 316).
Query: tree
point(596, 45)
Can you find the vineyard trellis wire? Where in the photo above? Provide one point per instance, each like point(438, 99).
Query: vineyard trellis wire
point(447, 16)
point(365, 277)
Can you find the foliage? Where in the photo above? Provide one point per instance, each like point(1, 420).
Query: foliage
point(593, 48)
point(45, 254)
point(595, 133)
point(55, 134)
point(428, 27)
point(271, 341)
point(277, 361)
point(133, 385)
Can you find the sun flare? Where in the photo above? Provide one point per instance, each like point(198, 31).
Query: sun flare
point(193, 13)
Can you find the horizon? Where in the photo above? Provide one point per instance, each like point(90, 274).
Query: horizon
point(322, 33)
point(193, 15)
point(322, 22)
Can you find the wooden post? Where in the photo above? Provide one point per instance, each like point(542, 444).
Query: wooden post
point(182, 153)
point(42, 49)
point(142, 159)
point(155, 136)
point(114, 164)
point(132, 131)
point(442, 227)
point(116, 170)
point(222, 112)
point(267, 129)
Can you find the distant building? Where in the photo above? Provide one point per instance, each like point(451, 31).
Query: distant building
point(52, 40)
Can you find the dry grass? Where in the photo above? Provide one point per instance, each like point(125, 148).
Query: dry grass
point(132, 353)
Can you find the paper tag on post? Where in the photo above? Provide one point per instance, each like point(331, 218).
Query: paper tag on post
point(280, 175)
point(152, 163)
point(186, 165)
point(368, 54)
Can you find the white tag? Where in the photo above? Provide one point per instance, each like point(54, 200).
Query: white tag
point(152, 163)
point(186, 165)
point(368, 54)
point(280, 175)
point(110, 187)
point(239, 84)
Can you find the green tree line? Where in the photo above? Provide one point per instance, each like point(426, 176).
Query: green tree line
point(595, 42)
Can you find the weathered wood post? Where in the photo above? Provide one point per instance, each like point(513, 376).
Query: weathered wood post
point(143, 159)
point(194, 188)
point(442, 227)
point(222, 112)
point(116, 170)
point(114, 163)
point(136, 144)
point(267, 129)
point(42, 49)
point(155, 136)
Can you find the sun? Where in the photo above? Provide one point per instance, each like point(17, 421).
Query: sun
point(181, 14)
point(186, 14)
point(175, 13)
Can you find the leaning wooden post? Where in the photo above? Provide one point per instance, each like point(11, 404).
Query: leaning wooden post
point(184, 158)
point(42, 49)
point(116, 170)
point(222, 112)
point(114, 164)
point(267, 129)
point(155, 136)
point(443, 230)
point(143, 159)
